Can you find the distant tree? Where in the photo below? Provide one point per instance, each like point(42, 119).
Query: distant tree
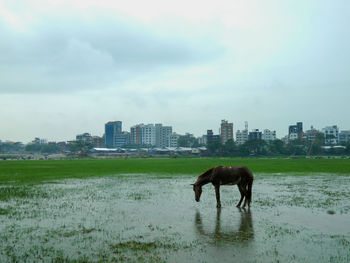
point(254, 147)
point(80, 146)
point(33, 147)
point(276, 147)
point(214, 148)
point(230, 148)
point(49, 148)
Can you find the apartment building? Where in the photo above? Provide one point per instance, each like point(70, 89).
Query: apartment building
point(226, 131)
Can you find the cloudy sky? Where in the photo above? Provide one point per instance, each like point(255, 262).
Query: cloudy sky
point(69, 68)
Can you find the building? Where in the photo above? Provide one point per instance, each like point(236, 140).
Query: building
point(310, 135)
point(269, 135)
point(203, 140)
point(85, 138)
point(162, 135)
point(122, 139)
point(255, 135)
point(212, 138)
point(148, 135)
point(136, 134)
point(173, 140)
point(226, 131)
point(112, 128)
point(98, 141)
point(298, 129)
point(241, 137)
point(331, 134)
point(293, 136)
point(344, 137)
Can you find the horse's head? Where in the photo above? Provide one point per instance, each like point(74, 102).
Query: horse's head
point(197, 191)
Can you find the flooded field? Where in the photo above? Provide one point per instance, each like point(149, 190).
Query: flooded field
point(148, 218)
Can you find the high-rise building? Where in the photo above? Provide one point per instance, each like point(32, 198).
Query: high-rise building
point(162, 135)
point(242, 136)
point(112, 129)
point(226, 131)
point(148, 133)
point(136, 134)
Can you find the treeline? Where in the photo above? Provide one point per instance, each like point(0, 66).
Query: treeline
point(273, 148)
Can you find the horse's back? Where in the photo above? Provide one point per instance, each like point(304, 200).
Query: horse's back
point(230, 175)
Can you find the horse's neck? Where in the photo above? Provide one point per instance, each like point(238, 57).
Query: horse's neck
point(203, 180)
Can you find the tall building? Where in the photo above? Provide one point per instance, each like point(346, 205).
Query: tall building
point(162, 135)
point(136, 134)
point(148, 134)
point(226, 131)
point(242, 136)
point(112, 128)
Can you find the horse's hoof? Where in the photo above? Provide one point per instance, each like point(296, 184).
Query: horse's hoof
point(238, 206)
point(218, 206)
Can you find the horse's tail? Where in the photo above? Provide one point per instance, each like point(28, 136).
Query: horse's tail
point(250, 186)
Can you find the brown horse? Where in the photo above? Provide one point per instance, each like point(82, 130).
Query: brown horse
point(226, 175)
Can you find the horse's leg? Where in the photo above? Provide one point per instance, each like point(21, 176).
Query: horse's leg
point(217, 192)
point(240, 188)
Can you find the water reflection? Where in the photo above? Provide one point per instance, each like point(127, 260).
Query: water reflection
point(238, 231)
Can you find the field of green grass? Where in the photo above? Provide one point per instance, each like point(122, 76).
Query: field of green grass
point(47, 170)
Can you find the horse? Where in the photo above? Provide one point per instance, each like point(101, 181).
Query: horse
point(226, 175)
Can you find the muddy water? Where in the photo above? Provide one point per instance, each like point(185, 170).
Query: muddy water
point(293, 218)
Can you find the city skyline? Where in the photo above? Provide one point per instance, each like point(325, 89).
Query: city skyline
point(217, 131)
point(69, 67)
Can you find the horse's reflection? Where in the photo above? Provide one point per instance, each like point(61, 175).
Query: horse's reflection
point(242, 231)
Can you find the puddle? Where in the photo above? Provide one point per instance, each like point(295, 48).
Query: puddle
point(145, 218)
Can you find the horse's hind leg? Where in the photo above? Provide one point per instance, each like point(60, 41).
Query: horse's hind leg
point(241, 190)
point(246, 197)
point(217, 192)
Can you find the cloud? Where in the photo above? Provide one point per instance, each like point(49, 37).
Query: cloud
point(61, 55)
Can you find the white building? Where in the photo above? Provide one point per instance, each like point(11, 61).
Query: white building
point(269, 135)
point(241, 136)
point(148, 134)
point(331, 134)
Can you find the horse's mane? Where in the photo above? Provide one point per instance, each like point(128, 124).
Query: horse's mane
point(205, 174)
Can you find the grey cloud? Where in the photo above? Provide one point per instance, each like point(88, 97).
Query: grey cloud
point(72, 55)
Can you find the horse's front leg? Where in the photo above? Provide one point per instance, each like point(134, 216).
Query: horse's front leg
point(217, 192)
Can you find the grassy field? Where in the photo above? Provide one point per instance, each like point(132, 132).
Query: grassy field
point(143, 210)
point(47, 170)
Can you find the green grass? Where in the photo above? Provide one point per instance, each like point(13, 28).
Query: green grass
point(48, 170)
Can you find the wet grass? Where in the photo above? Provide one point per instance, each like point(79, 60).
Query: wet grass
point(31, 172)
point(21, 192)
